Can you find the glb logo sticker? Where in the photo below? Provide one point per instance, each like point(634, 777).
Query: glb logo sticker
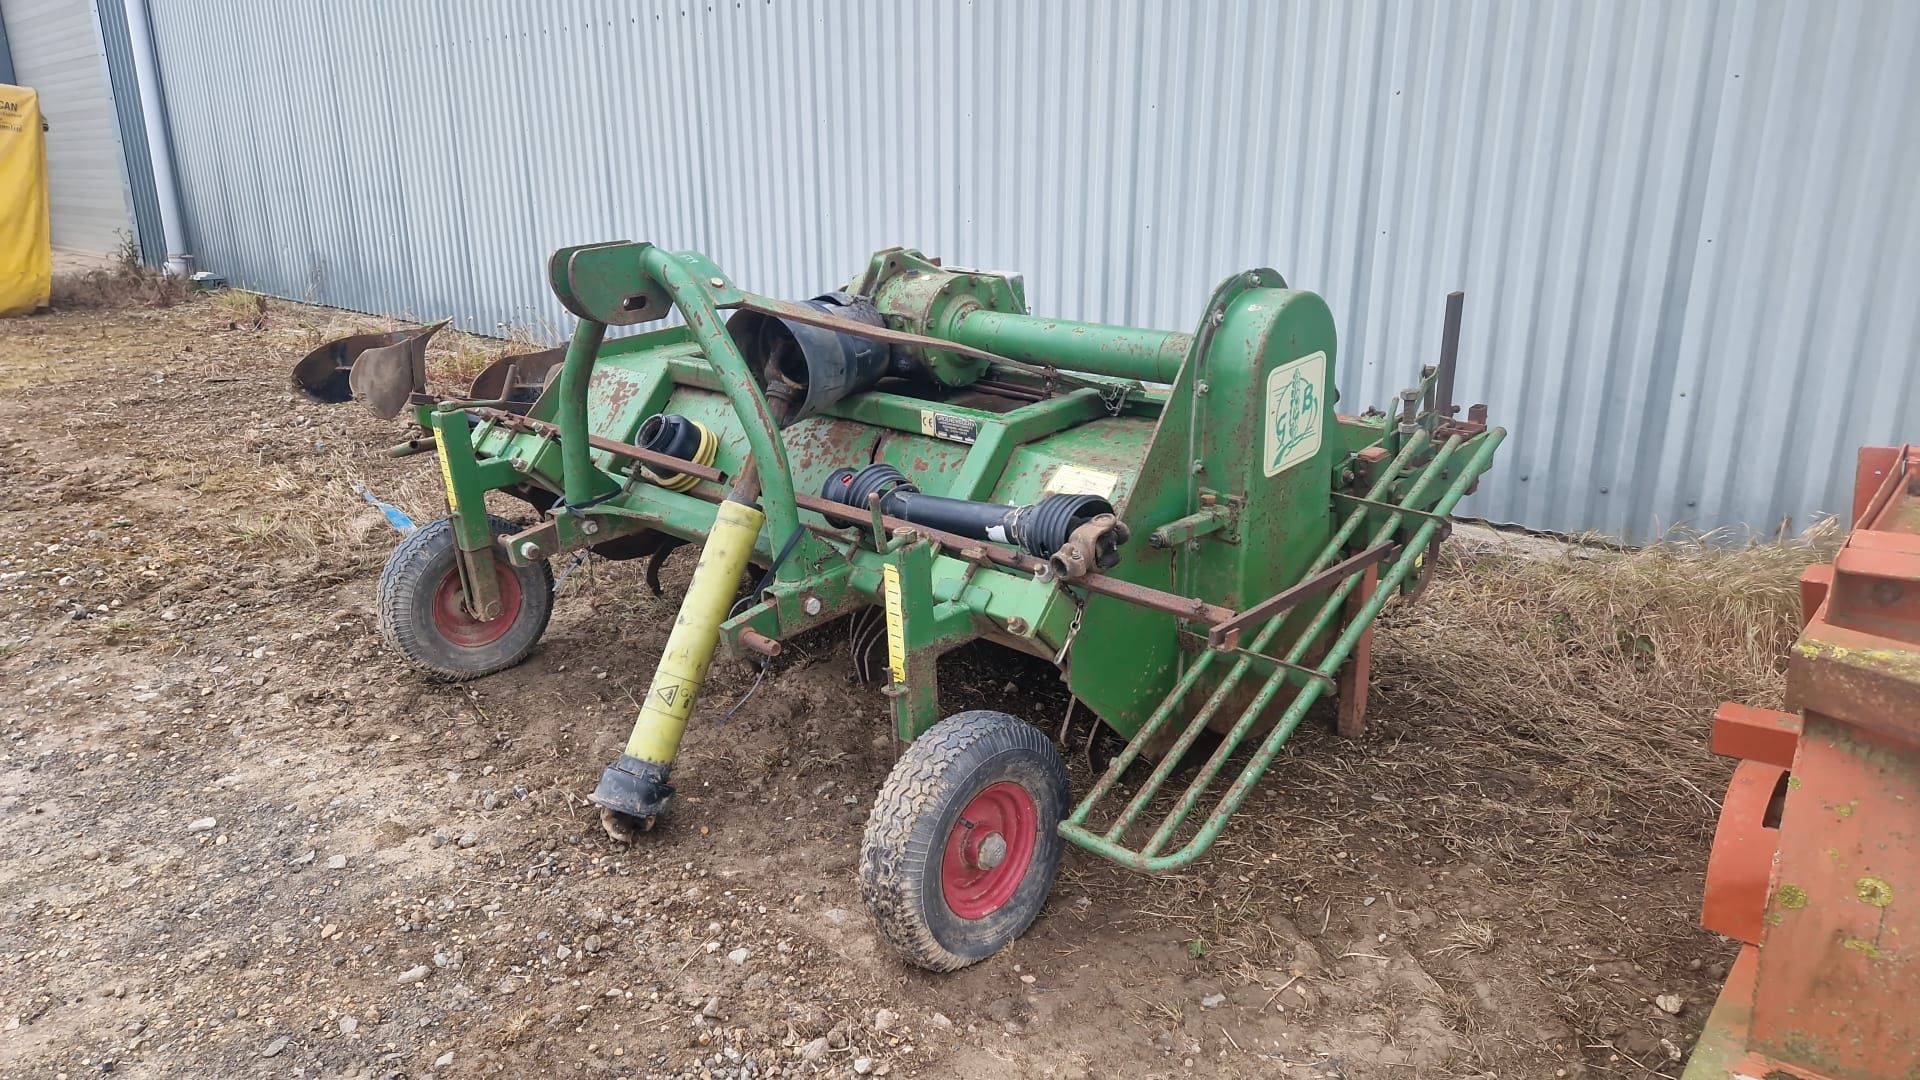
point(1296, 411)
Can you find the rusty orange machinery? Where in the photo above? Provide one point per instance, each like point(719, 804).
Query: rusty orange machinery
point(1816, 861)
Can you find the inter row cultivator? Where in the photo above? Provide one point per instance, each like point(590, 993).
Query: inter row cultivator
point(1182, 523)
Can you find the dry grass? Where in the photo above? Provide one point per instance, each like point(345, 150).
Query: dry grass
point(241, 309)
point(127, 283)
point(1600, 668)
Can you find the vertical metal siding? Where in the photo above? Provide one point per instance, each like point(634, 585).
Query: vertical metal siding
point(57, 50)
point(124, 87)
point(1687, 232)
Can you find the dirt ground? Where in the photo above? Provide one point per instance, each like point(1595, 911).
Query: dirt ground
point(239, 838)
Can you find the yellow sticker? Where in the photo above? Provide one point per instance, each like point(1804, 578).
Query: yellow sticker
point(1074, 480)
point(446, 474)
point(896, 626)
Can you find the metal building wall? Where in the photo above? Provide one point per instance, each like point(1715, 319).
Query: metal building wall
point(1687, 231)
point(130, 122)
point(56, 50)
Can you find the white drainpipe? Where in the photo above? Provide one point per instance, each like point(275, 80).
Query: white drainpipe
point(153, 109)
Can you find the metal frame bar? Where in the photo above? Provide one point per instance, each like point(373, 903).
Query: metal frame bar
point(1148, 857)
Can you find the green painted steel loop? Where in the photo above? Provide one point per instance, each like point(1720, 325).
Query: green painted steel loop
point(697, 307)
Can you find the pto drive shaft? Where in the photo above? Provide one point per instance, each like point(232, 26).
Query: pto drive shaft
point(1077, 533)
point(635, 787)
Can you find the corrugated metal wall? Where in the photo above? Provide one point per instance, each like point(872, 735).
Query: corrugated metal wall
point(56, 50)
point(124, 84)
point(1687, 231)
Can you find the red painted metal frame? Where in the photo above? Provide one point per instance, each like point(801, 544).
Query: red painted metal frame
point(1816, 860)
point(1351, 694)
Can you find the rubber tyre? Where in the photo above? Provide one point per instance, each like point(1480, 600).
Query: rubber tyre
point(413, 577)
point(917, 810)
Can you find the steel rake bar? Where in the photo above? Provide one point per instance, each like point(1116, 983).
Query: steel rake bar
point(1479, 454)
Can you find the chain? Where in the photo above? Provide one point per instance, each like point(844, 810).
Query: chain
point(1073, 631)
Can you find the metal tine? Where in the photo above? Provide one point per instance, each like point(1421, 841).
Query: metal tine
point(1449, 355)
point(1321, 621)
point(1164, 712)
point(1417, 442)
point(1477, 463)
point(1171, 758)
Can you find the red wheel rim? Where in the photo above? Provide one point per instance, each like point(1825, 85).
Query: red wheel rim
point(456, 624)
point(988, 850)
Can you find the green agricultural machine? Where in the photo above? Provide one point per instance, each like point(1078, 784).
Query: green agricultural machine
point(1181, 523)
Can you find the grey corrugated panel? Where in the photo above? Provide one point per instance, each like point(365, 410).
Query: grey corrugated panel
point(1687, 232)
point(136, 162)
point(56, 49)
point(6, 56)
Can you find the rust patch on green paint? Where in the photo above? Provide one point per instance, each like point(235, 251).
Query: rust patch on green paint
point(1874, 891)
point(1864, 947)
point(1792, 897)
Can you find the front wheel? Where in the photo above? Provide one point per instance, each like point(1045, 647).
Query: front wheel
point(423, 611)
point(962, 846)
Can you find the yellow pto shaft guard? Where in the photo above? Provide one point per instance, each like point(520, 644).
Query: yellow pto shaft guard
point(636, 785)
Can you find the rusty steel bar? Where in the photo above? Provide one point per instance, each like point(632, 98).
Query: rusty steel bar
point(806, 316)
point(976, 551)
point(1226, 635)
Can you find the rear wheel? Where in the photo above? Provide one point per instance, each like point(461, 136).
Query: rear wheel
point(962, 845)
point(423, 613)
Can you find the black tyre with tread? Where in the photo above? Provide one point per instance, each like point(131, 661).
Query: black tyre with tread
point(416, 578)
point(950, 769)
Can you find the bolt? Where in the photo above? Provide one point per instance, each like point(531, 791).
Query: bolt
point(529, 550)
point(1193, 545)
point(519, 464)
point(590, 528)
point(1216, 318)
point(811, 605)
point(1198, 466)
point(718, 283)
point(1018, 626)
point(1201, 387)
point(1253, 279)
point(1209, 499)
point(1887, 592)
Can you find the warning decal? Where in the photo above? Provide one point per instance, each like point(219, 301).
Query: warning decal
point(896, 625)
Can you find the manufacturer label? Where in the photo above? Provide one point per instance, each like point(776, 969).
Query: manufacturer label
point(946, 426)
point(1296, 412)
point(1074, 480)
point(896, 626)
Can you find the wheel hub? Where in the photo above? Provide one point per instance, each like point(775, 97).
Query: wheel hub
point(992, 852)
point(455, 623)
point(989, 850)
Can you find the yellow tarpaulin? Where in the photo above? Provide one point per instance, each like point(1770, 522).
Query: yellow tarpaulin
point(26, 243)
